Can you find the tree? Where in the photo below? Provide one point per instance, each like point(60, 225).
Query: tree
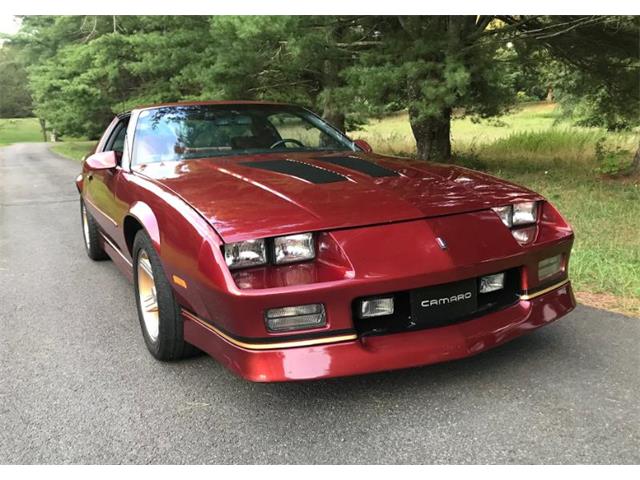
point(596, 68)
point(293, 59)
point(85, 69)
point(438, 67)
point(15, 100)
point(595, 65)
point(434, 67)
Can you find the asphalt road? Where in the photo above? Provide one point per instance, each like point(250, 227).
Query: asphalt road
point(77, 384)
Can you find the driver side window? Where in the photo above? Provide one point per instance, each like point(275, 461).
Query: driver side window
point(116, 140)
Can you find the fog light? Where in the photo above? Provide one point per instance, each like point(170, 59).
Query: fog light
point(295, 318)
point(549, 267)
point(376, 307)
point(491, 283)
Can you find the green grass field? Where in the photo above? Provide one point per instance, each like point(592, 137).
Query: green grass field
point(75, 149)
point(532, 132)
point(535, 148)
point(14, 130)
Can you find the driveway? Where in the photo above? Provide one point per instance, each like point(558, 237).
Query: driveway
point(77, 384)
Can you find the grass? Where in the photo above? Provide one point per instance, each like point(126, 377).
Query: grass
point(17, 130)
point(14, 130)
point(534, 147)
point(605, 215)
point(74, 149)
point(534, 129)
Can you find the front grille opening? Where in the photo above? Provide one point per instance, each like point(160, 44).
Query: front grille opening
point(402, 320)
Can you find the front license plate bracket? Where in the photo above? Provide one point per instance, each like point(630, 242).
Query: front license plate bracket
point(444, 304)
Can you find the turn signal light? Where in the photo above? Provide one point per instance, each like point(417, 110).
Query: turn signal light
point(298, 317)
point(549, 267)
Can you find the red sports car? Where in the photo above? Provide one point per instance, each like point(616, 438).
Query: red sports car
point(265, 237)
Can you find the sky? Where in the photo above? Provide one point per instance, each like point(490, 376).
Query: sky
point(8, 24)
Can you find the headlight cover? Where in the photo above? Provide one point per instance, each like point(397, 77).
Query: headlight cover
point(250, 253)
point(293, 248)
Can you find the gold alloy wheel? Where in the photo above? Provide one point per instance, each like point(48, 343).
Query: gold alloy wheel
point(148, 297)
point(85, 228)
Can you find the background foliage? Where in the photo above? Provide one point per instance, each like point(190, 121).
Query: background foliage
point(81, 70)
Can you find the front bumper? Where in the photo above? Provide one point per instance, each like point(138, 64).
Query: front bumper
point(352, 356)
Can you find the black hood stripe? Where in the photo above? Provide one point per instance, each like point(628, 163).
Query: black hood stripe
point(301, 170)
point(359, 165)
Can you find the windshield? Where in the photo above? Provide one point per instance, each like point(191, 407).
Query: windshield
point(174, 133)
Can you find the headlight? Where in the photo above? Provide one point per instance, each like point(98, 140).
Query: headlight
point(250, 253)
point(523, 213)
point(293, 248)
point(505, 214)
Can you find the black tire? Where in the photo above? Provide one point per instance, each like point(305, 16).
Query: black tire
point(169, 343)
point(91, 235)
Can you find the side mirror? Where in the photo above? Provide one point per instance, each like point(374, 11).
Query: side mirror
point(102, 160)
point(363, 145)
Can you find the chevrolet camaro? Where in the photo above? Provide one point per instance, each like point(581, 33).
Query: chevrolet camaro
point(262, 235)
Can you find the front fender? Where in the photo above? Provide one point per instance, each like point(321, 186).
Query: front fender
point(79, 183)
point(141, 212)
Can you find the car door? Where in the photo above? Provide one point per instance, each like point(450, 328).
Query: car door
point(100, 184)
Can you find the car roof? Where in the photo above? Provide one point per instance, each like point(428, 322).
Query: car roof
point(208, 102)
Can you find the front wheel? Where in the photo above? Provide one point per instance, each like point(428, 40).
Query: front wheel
point(158, 311)
point(91, 234)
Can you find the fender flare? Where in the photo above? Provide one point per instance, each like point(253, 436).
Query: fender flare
point(143, 214)
point(79, 183)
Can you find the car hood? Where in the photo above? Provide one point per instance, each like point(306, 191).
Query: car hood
point(246, 197)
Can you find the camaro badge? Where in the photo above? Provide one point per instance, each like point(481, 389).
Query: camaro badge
point(441, 243)
point(445, 300)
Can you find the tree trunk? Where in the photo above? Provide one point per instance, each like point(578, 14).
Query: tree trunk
point(433, 136)
point(331, 112)
point(332, 109)
point(550, 95)
point(335, 118)
point(43, 128)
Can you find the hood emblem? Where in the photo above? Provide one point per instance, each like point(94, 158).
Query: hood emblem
point(441, 243)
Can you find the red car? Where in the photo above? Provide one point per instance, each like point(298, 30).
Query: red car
point(265, 237)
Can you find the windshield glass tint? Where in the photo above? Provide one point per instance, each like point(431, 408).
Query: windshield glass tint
point(174, 133)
